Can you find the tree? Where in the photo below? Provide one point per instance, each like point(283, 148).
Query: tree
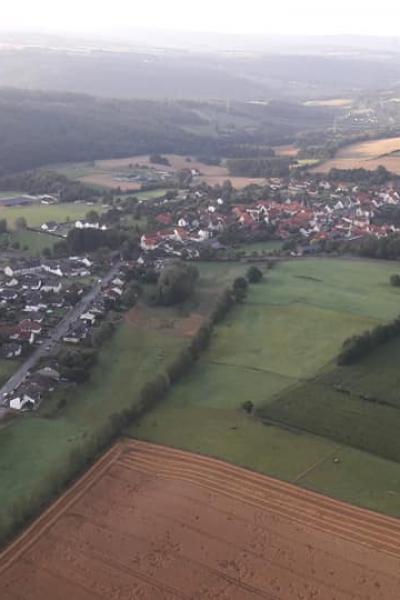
point(176, 283)
point(395, 280)
point(20, 223)
point(3, 225)
point(248, 406)
point(254, 274)
point(92, 216)
point(46, 252)
point(240, 289)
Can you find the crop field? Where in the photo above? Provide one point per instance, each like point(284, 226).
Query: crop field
point(103, 172)
point(280, 346)
point(331, 102)
point(38, 214)
point(366, 155)
point(154, 523)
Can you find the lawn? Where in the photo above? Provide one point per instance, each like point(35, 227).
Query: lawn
point(285, 335)
point(37, 214)
point(31, 242)
point(7, 368)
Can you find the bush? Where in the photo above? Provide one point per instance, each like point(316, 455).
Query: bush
point(254, 274)
point(395, 280)
point(358, 346)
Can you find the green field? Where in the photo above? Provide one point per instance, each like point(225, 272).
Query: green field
point(7, 368)
point(37, 214)
point(31, 242)
point(285, 335)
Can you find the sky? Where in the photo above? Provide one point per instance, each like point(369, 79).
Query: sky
point(300, 17)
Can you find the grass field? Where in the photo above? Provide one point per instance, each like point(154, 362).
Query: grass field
point(7, 368)
point(366, 155)
point(38, 214)
point(287, 333)
point(31, 242)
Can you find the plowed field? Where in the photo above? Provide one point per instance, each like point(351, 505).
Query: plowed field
point(153, 523)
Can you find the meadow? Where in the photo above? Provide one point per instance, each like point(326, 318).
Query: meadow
point(30, 242)
point(283, 339)
point(37, 214)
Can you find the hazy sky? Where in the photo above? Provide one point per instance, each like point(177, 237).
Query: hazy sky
point(230, 16)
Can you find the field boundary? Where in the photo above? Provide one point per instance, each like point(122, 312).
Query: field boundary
point(301, 506)
point(42, 523)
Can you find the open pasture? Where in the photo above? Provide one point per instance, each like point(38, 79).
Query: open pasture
point(158, 524)
point(366, 155)
point(286, 334)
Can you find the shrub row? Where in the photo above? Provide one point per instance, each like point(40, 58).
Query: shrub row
point(358, 346)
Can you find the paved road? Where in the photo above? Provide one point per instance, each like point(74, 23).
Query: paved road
point(55, 335)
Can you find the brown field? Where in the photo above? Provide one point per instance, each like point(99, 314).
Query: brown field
point(367, 155)
point(332, 102)
point(290, 151)
point(212, 175)
point(153, 523)
point(108, 181)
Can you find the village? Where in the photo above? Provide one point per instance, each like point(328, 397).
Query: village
point(44, 304)
point(307, 211)
point(48, 303)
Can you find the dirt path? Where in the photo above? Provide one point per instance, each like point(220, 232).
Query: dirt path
point(153, 523)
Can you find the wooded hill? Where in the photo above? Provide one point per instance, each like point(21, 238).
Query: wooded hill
point(38, 128)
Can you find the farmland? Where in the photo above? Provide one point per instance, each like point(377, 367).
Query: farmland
point(103, 173)
point(159, 523)
point(366, 155)
point(283, 338)
point(35, 449)
point(37, 214)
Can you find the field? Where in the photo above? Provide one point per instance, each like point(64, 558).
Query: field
point(102, 172)
point(367, 155)
point(36, 448)
point(38, 214)
point(331, 103)
point(31, 242)
point(152, 523)
point(281, 340)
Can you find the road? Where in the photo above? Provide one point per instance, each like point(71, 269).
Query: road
point(55, 335)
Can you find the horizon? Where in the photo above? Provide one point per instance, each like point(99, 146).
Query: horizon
point(310, 19)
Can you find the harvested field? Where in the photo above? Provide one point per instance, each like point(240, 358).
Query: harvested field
point(367, 155)
point(103, 172)
point(288, 150)
point(331, 103)
point(151, 523)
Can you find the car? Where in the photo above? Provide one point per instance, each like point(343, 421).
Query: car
point(48, 348)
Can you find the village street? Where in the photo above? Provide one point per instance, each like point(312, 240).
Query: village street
point(55, 335)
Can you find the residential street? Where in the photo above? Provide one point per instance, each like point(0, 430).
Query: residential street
point(55, 335)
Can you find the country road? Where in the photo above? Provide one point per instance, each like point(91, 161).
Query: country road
point(55, 335)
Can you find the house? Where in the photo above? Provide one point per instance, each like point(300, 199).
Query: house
point(50, 226)
point(31, 282)
point(76, 334)
point(52, 284)
point(88, 317)
point(50, 373)
point(27, 325)
point(20, 402)
point(23, 267)
point(11, 350)
point(12, 282)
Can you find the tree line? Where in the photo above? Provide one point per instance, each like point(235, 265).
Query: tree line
point(358, 346)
